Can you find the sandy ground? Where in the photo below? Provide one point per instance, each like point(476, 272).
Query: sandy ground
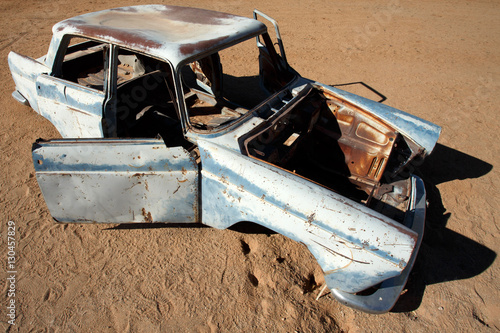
point(439, 60)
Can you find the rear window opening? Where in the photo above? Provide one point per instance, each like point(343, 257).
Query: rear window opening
point(83, 63)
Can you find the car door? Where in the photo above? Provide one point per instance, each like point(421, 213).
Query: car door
point(274, 69)
point(74, 95)
point(117, 180)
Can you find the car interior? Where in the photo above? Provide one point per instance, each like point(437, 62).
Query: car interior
point(146, 103)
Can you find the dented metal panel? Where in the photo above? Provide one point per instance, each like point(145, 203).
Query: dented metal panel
point(115, 181)
point(355, 246)
point(386, 295)
point(169, 32)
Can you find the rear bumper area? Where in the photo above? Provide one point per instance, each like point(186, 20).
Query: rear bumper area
point(388, 292)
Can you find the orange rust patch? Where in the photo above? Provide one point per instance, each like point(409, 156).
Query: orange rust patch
point(147, 216)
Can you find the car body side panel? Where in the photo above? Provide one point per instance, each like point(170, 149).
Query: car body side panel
point(117, 181)
point(24, 71)
point(76, 111)
point(355, 246)
point(386, 295)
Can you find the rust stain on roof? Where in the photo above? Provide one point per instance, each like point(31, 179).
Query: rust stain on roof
point(201, 45)
point(182, 14)
point(171, 32)
point(128, 38)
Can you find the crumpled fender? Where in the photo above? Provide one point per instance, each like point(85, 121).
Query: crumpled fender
point(355, 246)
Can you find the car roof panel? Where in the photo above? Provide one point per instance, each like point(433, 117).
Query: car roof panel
point(169, 32)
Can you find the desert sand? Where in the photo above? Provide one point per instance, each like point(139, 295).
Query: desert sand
point(439, 60)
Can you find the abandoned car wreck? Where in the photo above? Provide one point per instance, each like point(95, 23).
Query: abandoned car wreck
point(183, 115)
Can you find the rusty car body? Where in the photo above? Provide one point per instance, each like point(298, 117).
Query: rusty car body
point(164, 119)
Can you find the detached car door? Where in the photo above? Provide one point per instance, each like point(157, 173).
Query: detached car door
point(117, 180)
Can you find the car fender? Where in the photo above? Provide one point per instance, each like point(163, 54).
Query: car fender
point(355, 246)
point(25, 71)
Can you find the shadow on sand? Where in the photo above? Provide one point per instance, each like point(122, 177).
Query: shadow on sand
point(445, 255)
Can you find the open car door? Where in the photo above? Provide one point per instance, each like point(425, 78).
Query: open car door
point(117, 180)
point(274, 70)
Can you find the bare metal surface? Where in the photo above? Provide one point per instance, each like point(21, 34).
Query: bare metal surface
point(424, 133)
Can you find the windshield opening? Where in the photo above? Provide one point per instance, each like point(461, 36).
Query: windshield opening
point(224, 86)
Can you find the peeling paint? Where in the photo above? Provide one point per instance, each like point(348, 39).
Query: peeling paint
point(168, 32)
